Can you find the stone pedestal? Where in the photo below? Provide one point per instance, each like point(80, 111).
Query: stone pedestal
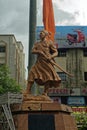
point(43, 116)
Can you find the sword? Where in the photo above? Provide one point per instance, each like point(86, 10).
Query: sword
point(61, 68)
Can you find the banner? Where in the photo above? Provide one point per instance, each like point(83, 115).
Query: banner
point(48, 18)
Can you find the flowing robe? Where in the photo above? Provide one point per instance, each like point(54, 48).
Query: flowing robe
point(43, 71)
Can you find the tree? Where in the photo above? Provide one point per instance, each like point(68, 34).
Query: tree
point(7, 84)
point(81, 119)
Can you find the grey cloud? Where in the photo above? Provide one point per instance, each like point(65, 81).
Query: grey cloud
point(14, 16)
point(61, 16)
point(19, 24)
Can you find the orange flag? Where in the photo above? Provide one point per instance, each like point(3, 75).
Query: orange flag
point(48, 17)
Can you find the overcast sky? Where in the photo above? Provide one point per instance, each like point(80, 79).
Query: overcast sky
point(14, 17)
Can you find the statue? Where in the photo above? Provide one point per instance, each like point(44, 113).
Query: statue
point(43, 71)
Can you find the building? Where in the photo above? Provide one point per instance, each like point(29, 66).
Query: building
point(72, 57)
point(11, 54)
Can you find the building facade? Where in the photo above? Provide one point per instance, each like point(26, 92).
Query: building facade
point(72, 57)
point(74, 61)
point(11, 54)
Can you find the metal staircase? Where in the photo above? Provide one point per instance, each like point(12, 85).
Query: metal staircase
point(5, 101)
point(9, 117)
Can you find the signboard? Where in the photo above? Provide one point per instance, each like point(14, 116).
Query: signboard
point(76, 101)
point(79, 109)
point(64, 91)
point(69, 36)
point(57, 91)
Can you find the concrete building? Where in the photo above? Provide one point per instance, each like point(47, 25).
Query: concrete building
point(11, 54)
point(73, 60)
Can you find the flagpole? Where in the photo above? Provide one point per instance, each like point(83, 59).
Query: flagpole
point(32, 32)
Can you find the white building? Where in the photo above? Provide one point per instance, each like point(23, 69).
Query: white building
point(11, 54)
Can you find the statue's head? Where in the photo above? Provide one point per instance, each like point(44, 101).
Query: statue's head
point(43, 34)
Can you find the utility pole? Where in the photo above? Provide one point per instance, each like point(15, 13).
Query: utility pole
point(32, 32)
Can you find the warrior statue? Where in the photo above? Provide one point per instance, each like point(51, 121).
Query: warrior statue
point(43, 71)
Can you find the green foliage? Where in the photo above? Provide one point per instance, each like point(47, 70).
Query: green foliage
point(7, 84)
point(81, 119)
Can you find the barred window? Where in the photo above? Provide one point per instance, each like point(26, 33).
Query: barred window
point(62, 75)
point(62, 53)
point(2, 49)
point(85, 76)
point(85, 52)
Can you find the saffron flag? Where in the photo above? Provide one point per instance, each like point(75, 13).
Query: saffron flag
point(48, 18)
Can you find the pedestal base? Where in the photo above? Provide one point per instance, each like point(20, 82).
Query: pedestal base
point(46, 116)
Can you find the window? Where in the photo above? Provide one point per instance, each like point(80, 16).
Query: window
point(85, 76)
point(62, 75)
point(2, 49)
point(85, 52)
point(62, 53)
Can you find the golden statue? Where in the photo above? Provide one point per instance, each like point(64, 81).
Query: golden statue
point(43, 71)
